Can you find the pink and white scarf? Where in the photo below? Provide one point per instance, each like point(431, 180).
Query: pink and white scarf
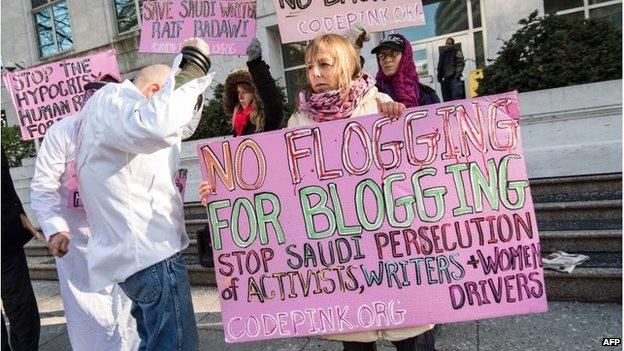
point(330, 105)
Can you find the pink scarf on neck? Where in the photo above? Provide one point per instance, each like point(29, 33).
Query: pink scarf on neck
point(330, 105)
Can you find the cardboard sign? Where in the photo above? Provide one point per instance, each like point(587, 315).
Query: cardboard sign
point(45, 94)
point(305, 19)
point(371, 223)
point(228, 26)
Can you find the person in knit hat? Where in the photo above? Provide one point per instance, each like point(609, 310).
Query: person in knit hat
point(252, 97)
point(397, 75)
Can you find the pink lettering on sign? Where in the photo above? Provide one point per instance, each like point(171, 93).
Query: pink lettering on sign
point(45, 94)
point(370, 223)
point(305, 19)
point(228, 26)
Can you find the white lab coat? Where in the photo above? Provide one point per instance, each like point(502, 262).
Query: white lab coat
point(128, 152)
point(95, 320)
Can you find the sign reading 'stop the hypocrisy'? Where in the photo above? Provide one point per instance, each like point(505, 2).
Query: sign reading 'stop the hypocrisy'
point(374, 223)
point(45, 94)
point(305, 19)
point(228, 26)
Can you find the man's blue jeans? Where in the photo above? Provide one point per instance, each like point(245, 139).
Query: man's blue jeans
point(162, 306)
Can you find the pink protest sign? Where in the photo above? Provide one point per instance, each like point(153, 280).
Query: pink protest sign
point(228, 26)
point(305, 19)
point(45, 94)
point(375, 224)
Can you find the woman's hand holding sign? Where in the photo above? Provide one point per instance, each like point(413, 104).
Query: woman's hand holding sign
point(390, 109)
point(204, 191)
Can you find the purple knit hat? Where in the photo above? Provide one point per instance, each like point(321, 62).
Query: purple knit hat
point(404, 83)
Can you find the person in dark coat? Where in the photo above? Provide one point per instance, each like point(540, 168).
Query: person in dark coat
point(450, 68)
point(18, 297)
point(253, 99)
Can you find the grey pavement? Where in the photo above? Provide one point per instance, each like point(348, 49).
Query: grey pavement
point(566, 326)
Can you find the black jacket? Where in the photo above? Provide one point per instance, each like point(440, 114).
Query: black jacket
point(14, 235)
point(451, 64)
point(269, 93)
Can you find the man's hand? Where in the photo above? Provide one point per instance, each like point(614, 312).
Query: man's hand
point(59, 244)
point(28, 226)
point(199, 43)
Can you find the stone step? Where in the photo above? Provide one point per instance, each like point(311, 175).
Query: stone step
point(28, 161)
point(36, 248)
point(586, 241)
point(586, 284)
point(579, 215)
point(607, 242)
point(578, 188)
point(582, 241)
point(22, 183)
point(193, 225)
point(194, 210)
point(23, 193)
point(25, 171)
point(44, 268)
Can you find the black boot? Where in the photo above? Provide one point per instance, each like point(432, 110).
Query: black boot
point(422, 342)
point(359, 346)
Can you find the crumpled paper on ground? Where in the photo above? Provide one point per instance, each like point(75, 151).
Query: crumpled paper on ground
point(562, 261)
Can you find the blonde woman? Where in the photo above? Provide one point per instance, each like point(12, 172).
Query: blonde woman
point(338, 88)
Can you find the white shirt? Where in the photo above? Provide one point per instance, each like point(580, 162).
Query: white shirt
point(51, 184)
point(95, 320)
point(128, 151)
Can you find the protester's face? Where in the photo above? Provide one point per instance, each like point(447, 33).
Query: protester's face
point(389, 61)
point(449, 44)
point(245, 97)
point(321, 74)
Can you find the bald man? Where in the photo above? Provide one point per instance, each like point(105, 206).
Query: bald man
point(97, 320)
point(128, 151)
